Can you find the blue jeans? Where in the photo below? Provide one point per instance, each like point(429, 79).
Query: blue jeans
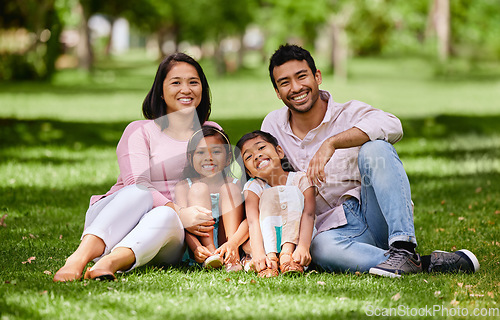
point(384, 215)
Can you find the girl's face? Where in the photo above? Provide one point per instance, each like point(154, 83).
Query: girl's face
point(261, 158)
point(182, 88)
point(210, 156)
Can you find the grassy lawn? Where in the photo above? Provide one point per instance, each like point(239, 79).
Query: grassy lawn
point(57, 148)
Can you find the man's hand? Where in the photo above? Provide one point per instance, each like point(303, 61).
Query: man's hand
point(316, 169)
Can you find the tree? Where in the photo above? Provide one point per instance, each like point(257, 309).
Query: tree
point(439, 24)
point(41, 18)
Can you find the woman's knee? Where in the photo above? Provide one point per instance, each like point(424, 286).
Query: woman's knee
point(166, 218)
point(139, 194)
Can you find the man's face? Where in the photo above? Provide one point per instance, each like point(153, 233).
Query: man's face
point(297, 86)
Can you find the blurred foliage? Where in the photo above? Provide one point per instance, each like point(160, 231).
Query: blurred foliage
point(373, 27)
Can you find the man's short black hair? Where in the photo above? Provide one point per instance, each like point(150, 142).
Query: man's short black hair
point(286, 53)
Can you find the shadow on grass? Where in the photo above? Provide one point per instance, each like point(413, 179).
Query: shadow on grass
point(41, 132)
point(443, 126)
point(79, 135)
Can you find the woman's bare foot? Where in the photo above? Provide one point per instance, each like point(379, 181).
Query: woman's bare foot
point(90, 247)
point(99, 274)
point(119, 259)
point(71, 271)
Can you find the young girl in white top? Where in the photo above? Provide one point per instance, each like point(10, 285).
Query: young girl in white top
point(209, 183)
point(279, 204)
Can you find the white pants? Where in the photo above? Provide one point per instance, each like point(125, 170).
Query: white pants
point(125, 219)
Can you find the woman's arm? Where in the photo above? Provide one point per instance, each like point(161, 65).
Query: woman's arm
point(134, 159)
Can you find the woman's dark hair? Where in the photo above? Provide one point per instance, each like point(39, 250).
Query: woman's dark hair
point(155, 107)
point(206, 131)
point(286, 53)
point(266, 136)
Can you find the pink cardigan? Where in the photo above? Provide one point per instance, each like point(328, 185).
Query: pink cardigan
point(151, 158)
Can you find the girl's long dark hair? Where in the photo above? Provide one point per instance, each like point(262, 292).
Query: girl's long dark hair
point(154, 107)
point(266, 136)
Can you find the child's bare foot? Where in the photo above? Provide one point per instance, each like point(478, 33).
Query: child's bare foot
point(69, 272)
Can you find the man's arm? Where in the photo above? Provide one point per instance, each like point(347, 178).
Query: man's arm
point(353, 137)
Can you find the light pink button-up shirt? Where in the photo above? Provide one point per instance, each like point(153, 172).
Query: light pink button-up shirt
point(342, 174)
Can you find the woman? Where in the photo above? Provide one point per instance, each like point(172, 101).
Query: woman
point(136, 221)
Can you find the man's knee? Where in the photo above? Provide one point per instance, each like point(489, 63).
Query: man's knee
point(374, 148)
point(375, 154)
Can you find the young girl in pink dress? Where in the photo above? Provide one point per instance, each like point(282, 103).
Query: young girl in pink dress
point(279, 205)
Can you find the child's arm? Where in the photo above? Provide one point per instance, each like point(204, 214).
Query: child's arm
point(256, 241)
point(230, 248)
point(301, 253)
point(201, 253)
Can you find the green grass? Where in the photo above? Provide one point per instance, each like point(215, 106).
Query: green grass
point(57, 148)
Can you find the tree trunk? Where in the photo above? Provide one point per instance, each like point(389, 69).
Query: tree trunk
point(109, 45)
point(339, 52)
point(84, 47)
point(241, 52)
point(439, 22)
point(220, 64)
point(340, 47)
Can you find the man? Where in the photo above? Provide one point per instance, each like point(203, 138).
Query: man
point(364, 215)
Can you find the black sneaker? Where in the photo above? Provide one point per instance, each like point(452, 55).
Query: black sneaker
point(400, 262)
point(458, 261)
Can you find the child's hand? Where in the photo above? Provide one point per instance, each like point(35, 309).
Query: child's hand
point(201, 253)
point(272, 261)
point(228, 250)
point(197, 220)
point(259, 262)
point(301, 255)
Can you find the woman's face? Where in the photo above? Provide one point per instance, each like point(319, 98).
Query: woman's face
point(210, 156)
point(182, 88)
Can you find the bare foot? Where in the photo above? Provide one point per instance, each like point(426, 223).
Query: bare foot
point(69, 272)
point(101, 274)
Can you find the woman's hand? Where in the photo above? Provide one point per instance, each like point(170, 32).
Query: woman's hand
point(229, 251)
point(301, 255)
point(201, 253)
point(197, 220)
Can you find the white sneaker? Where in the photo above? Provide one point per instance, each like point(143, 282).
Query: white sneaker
point(213, 262)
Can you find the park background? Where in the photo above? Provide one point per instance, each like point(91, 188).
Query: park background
point(73, 74)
